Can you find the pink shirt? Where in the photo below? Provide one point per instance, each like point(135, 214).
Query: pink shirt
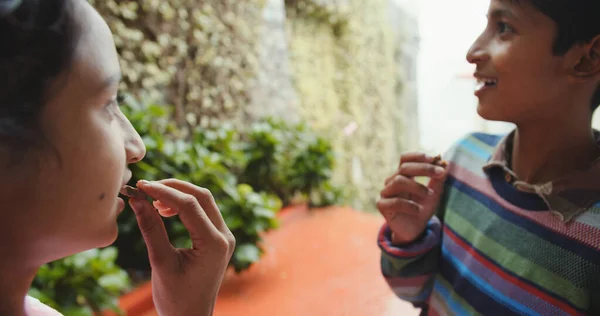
point(33, 307)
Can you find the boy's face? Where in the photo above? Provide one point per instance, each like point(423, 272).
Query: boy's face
point(519, 78)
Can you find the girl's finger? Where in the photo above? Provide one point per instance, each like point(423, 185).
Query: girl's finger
point(153, 230)
point(159, 205)
point(193, 217)
point(167, 212)
point(204, 197)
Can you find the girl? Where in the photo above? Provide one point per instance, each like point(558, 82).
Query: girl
point(64, 151)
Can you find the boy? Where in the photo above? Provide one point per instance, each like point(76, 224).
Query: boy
point(516, 229)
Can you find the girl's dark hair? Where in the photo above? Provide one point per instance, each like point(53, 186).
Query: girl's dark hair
point(578, 22)
point(38, 43)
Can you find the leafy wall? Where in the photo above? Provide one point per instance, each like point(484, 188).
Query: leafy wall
point(345, 67)
point(199, 56)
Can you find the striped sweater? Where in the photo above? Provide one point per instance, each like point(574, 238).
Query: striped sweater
point(495, 249)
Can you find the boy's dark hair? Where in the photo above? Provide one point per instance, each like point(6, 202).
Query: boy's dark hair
point(38, 44)
point(578, 22)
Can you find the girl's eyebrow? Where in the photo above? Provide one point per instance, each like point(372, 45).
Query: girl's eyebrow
point(111, 81)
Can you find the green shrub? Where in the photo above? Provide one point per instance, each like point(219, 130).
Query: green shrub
point(289, 160)
point(211, 158)
point(268, 150)
point(251, 174)
point(248, 214)
point(82, 284)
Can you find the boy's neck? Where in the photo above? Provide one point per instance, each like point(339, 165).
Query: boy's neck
point(544, 153)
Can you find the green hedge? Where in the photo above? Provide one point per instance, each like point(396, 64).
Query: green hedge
point(252, 173)
point(81, 284)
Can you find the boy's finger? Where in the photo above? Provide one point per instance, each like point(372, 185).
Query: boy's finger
point(153, 230)
point(390, 178)
point(401, 185)
point(390, 207)
point(204, 197)
point(191, 213)
point(415, 157)
point(437, 184)
point(410, 157)
point(416, 169)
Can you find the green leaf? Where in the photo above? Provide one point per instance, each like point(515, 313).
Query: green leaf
point(233, 222)
point(77, 311)
point(82, 259)
point(248, 253)
point(43, 297)
point(149, 142)
point(114, 282)
point(108, 254)
point(263, 212)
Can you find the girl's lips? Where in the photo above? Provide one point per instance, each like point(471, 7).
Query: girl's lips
point(120, 205)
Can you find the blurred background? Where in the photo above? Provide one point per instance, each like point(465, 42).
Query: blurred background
point(292, 112)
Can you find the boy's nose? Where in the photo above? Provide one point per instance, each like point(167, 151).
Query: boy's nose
point(477, 54)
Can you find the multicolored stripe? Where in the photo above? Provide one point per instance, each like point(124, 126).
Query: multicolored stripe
point(495, 250)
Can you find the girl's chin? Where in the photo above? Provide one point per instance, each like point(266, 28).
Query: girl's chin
point(108, 233)
point(101, 238)
point(109, 237)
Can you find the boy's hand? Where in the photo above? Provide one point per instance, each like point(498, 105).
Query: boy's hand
point(408, 205)
point(185, 282)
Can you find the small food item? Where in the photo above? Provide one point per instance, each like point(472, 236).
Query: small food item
point(135, 193)
point(437, 160)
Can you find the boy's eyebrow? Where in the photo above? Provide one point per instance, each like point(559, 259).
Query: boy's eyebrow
point(502, 13)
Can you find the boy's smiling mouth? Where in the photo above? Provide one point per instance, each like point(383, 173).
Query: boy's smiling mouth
point(484, 83)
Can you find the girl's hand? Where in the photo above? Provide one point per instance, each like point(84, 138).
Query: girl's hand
point(185, 282)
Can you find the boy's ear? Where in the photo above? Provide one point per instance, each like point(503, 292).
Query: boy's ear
point(586, 59)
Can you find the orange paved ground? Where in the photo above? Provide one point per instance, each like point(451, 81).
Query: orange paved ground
point(322, 263)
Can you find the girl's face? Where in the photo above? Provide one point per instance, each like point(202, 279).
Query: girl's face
point(66, 199)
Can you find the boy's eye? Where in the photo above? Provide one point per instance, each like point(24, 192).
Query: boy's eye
point(504, 28)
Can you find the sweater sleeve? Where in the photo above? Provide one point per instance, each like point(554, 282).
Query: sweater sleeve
point(410, 269)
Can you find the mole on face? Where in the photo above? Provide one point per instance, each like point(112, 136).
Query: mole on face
point(102, 196)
